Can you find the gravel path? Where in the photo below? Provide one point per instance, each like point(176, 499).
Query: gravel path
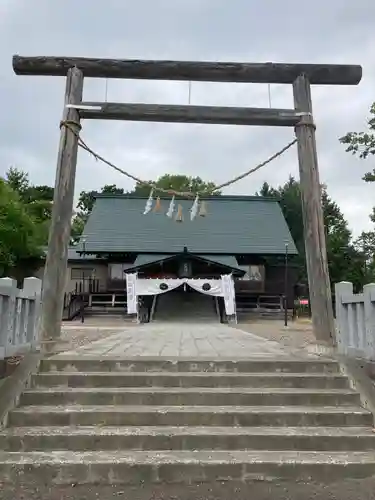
point(76, 334)
point(297, 335)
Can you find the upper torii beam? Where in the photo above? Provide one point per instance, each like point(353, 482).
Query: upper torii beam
point(269, 72)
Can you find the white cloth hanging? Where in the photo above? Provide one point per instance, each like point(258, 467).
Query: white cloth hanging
point(229, 294)
point(171, 208)
point(209, 287)
point(132, 300)
point(223, 287)
point(156, 286)
point(149, 203)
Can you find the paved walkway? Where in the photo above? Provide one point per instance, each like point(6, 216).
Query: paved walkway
point(185, 340)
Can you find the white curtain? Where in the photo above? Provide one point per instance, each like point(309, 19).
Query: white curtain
point(131, 280)
point(156, 286)
point(223, 287)
point(209, 287)
point(228, 294)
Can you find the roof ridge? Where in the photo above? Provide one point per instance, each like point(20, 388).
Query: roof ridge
point(166, 197)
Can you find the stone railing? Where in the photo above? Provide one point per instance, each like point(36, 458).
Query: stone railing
point(19, 316)
point(355, 320)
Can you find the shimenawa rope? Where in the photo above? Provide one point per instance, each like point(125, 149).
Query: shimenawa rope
point(75, 128)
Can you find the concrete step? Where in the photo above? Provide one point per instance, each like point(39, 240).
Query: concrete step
point(107, 312)
point(241, 396)
point(140, 467)
point(190, 318)
point(160, 364)
point(181, 379)
point(97, 438)
point(244, 316)
point(190, 415)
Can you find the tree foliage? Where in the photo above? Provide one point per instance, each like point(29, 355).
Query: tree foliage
point(365, 245)
point(362, 144)
point(36, 199)
point(344, 260)
point(20, 238)
point(85, 205)
point(87, 198)
point(177, 182)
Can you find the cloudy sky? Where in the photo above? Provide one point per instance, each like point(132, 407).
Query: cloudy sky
point(334, 31)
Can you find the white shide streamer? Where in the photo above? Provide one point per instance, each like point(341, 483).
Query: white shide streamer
point(148, 206)
point(194, 208)
point(171, 208)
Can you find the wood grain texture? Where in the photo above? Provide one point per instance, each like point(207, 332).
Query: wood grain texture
point(190, 114)
point(323, 74)
point(55, 270)
point(315, 242)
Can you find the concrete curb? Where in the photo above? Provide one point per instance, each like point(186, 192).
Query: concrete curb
point(359, 380)
point(324, 349)
point(13, 386)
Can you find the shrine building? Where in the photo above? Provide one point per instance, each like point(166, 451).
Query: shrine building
point(175, 258)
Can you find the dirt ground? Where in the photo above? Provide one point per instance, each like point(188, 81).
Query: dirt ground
point(76, 334)
point(297, 335)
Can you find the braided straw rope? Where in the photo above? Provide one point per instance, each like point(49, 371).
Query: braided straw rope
point(75, 128)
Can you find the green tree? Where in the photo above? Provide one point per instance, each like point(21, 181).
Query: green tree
point(178, 183)
point(289, 198)
point(18, 180)
point(37, 200)
point(87, 198)
point(345, 262)
point(29, 193)
point(362, 144)
point(365, 245)
point(20, 239)
point(78, 225)
point(84, 207)
point(40, 200)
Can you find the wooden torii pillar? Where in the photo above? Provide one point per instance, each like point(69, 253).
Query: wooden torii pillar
point(300, 76)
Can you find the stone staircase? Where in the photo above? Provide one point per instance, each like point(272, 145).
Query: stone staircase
point(140, 421)
point(178, 305)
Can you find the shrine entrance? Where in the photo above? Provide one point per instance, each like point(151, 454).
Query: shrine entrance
point(171, 295)
point(186, 305)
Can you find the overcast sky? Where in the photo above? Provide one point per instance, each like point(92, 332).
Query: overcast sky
point(334, 31)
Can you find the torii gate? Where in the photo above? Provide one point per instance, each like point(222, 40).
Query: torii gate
point(301, 76)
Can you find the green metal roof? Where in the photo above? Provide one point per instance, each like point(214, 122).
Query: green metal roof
point(228, 261)
point(233, 225)
point(74, 255)
point(145, 259)
point(223, 260)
